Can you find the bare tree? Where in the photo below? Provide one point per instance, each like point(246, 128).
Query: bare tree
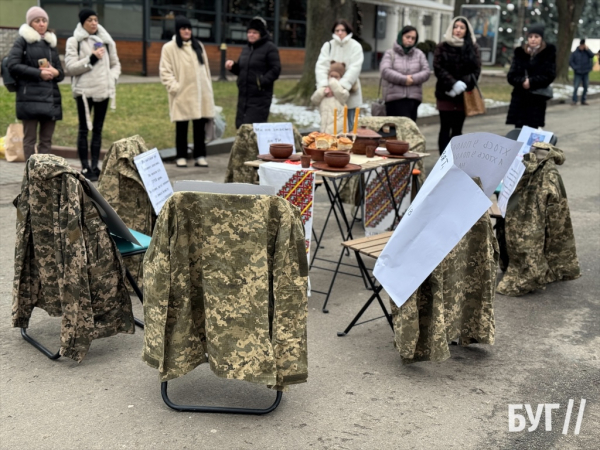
point(320, 16)
point(569, 12)
point(457, 5)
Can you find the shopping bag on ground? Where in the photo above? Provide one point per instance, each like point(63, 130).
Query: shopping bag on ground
point(13, 143)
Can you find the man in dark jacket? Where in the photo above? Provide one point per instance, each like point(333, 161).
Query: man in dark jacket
point(581, 63)
point(257, 69)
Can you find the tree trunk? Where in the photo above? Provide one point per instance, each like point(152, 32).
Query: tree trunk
point(320, 16)
point(457, 5)
point(569, 13)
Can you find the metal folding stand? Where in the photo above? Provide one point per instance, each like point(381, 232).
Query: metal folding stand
point(127, 249)
point(376, 288)
point(218, 409)
point(336, 201)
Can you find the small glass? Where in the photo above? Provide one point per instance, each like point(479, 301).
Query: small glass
point(305, 161)
point(370, 151)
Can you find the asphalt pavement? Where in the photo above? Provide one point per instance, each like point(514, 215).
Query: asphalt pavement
point(358, 395)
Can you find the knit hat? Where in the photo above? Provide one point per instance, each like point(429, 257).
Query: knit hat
point(182, 22)
point(536, 28)
point(259, 24)
point(337, 67)
point(84, 14)
point(33, 13)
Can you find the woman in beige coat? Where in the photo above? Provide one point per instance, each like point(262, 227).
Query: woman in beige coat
point(185, 73)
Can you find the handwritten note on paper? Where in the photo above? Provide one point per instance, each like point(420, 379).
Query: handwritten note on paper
point(273, 133)
point(155, 178)
point(445, 209)
point(528, 136)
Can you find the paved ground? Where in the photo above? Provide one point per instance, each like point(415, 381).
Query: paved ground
point(358, 395)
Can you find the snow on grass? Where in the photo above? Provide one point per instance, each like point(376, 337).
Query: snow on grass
point(309, 117)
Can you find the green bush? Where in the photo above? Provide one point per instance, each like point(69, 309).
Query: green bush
point(427, 46)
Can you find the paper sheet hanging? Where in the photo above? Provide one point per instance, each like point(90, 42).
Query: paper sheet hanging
point(155, 178)
point(273, 133)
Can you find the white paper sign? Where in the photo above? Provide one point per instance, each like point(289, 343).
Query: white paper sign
point(273, 133)
point(155, 178)
point(446, 207)
point(528, 136)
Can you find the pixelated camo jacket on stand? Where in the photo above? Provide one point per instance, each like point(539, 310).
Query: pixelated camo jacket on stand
point(66, 263)
point(539, 233)
point(455, 301)
point(226, 275)
point(122, 187)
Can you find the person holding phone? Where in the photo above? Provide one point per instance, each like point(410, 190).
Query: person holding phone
point(33, 62)
point(92, 61)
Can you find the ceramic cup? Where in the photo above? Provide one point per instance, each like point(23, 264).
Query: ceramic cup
point(370, 151)
point(305, 160)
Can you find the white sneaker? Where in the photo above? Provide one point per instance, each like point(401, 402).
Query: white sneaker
point(201, 162)
point(181, 162)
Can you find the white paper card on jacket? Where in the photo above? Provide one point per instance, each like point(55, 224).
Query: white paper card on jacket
point(273, 133)
point(445, 209)
point(528, 136)
point(155, 178)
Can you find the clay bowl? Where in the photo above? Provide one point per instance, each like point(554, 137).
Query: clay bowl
point(337, 158)
point(396, 147)
point(281, 151)
point(316, 154)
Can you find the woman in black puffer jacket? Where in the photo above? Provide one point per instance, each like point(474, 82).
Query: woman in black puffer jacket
point(457, 65)
point(257, 69)
point(533, 67)
point(33, 62)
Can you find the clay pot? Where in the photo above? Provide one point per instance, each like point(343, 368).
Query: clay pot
point(396, 147)
point(364, 138)
point(337, 159)
point(281, 151)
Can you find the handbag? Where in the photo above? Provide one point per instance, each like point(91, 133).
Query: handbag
point(546, 92)
point(474, 104)
point(13, 143)
point(378, 106)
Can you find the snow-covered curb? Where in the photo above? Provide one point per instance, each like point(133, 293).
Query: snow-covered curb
point(309, 117)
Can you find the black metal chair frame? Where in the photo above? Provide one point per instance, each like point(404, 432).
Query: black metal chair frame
point(337, 207)
point(138, 322)
point(217, 409)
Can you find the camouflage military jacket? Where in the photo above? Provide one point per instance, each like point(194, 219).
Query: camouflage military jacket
point(539, 235)
point(245, 148)
point(226, 282)
point(65, 260)
point(122, 187)
point(455, 301)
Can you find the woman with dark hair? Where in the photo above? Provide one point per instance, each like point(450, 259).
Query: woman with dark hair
point(33, 62)
point(404, 68)
point(185, 73)
point(91, 60)
point(257, 70)
point(342, 49)
point(533, 67)
point(457, 65)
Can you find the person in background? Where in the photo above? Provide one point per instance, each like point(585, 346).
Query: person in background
point(257, 70)
point(185, 73)
point(335, 98)
point(457, 65)
point(342, 49)
point(404, 67)
point(581, 61)
point(92, 61)
point(533, 67)
point(33, 62)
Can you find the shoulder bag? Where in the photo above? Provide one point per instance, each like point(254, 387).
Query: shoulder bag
point(545, 93)
point(474, 104)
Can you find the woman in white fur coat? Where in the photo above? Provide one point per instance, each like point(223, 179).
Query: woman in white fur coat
point(33, 63)
point(342, 48)
point(91, 59)
point(185, 73)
